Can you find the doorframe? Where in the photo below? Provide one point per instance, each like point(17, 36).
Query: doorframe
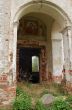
point(43, 58)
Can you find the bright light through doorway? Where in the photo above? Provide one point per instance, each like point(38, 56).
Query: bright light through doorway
point(35, 64)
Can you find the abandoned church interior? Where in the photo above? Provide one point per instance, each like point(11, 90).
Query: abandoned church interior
point(35, 44)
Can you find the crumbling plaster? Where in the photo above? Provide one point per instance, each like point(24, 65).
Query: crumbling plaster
point(10, 13)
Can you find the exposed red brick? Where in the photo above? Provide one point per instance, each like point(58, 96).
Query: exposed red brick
point(3, 77)
point(70, 71)
point(50, 78)
point(69, 86)
point(3, 80)
point(57, 78)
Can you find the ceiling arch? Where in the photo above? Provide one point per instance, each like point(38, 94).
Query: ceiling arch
point(47, 8)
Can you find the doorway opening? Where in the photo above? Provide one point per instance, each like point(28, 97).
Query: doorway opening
point(31, 61)
point(29, 64)
point(31, 49)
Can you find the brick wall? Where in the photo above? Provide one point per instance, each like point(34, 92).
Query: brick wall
point(7, 89)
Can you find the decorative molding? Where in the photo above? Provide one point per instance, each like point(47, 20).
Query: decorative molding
point(16, 23)
point(56, 39)
point(66, 29)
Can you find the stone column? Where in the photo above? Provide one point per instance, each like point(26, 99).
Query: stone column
point(57, 59)
point(67, 42)
point(1, 37)
point(15, 49)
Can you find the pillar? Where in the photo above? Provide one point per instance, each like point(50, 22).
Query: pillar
point(67, 43)
point(57, 59)
point(15, 49)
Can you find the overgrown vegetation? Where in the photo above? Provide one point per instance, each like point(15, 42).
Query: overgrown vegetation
point(22, 101)
point(60, 104)
point(39, 106)
point(69, 100)
point(28, 98)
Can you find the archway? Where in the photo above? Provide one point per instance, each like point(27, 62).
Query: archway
point(55, 13)
point(32, 33)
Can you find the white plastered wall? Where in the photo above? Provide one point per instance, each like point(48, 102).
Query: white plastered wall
point(57, 50)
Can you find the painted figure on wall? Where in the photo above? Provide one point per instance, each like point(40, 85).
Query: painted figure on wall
point(31, 27)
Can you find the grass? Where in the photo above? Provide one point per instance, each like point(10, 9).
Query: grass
point(9, 107)
point(38, 90)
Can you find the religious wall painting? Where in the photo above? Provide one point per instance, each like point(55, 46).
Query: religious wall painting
point(31, 27)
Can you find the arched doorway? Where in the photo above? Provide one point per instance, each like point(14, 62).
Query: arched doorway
point(32, 33)
point(58, 19)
